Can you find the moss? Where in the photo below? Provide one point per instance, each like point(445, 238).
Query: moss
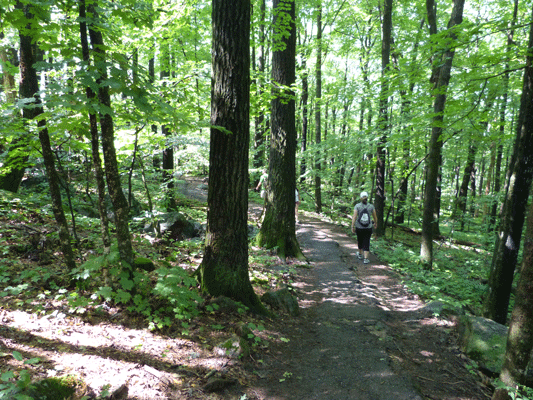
point(52, 389)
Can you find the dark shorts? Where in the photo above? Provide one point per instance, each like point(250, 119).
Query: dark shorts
point(363, 238)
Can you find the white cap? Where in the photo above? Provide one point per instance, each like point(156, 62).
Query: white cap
point(364, 194)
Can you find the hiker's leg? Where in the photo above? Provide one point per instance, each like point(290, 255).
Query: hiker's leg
point(360, 238)
point(366, 243)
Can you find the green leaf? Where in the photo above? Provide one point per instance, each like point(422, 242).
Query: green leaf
point(6, 376)
point(17, 356)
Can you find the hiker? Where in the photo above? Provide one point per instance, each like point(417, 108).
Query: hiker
point(297, 203)
point(262, 183)
point(362, 225)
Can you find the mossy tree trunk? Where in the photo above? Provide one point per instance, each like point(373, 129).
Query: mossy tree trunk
point(29, 89)
point(224, 268)
point(118, 199)
point(95, 142)
point(278, 229)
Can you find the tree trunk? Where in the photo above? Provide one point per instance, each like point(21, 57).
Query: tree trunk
point(224, 268)
point(520, 336)
point(318, 116)
point(512, 221)
point(259, 137)
point(503, 112)
point(305, 117)
point(95, 142)
point(29, 87)
point(278, 229)
point(120, 204)
point(383, 122)
point(460, 211)
point(15, 162)
point(8, 56)
point(441, 79)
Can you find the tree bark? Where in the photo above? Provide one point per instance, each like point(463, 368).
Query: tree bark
point(520, 336)
point(503, 112)
point(383, 121)
point(120, 204)
point(29, 88)
point(259, 136)
point(441, 79)
point(95, 142)
point(520, 175)
point(224, 268)
point(15, 161)
point(278, 229)
point(460, 211)
point(318, 115)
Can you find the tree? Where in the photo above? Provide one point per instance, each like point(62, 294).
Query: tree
point(520, 335)
point(318, 114)
point(520, 176)
point(278, 229)
point(29, 89)
point(114, 186)
point(383, 122)
point(95, 142)
point(224, 268)
point(440, 78)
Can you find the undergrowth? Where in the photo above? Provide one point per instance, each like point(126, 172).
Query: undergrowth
point(458, 278)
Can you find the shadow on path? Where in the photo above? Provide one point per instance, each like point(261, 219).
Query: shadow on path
point(348, 342)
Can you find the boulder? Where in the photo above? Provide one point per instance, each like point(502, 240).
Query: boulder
point(176, 226)
point(282, 299)
point(484, 341)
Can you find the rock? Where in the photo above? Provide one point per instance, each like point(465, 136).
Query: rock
point(484, 341)
point(438, 308)
point(120, 393)
point(233, 347)
point(144, 263)
point(225, 305)
point(218, 384)
point(176, 226)
point(282, 300)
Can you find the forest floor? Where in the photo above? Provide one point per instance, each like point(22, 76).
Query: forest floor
point(360, 335)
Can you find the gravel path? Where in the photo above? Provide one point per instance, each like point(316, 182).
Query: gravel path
point(361, 335)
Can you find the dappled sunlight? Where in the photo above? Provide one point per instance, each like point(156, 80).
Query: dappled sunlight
point(107, 354)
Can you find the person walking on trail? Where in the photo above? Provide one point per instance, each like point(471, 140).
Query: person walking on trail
point(362, 223)
point(262, 183)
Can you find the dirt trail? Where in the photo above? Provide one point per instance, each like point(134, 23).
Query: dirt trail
point(361, 334)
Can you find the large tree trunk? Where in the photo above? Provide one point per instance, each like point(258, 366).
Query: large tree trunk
point(512, 220)
point(224, 268)
point(95, 142)
point(441, 79)
point(278, 229)
point(520, 337)
point(383, 122)
point(29, 87)
point(503, 112)
point(120, 204)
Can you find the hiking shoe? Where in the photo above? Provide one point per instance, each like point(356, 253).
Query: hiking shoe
point(359, 256)
point(366, 261)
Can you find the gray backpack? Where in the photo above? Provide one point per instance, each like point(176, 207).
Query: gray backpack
point(364, 218)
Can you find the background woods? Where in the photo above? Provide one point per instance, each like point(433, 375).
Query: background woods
point(105, 106)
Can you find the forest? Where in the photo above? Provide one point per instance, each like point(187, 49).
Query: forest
point(110, 108)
